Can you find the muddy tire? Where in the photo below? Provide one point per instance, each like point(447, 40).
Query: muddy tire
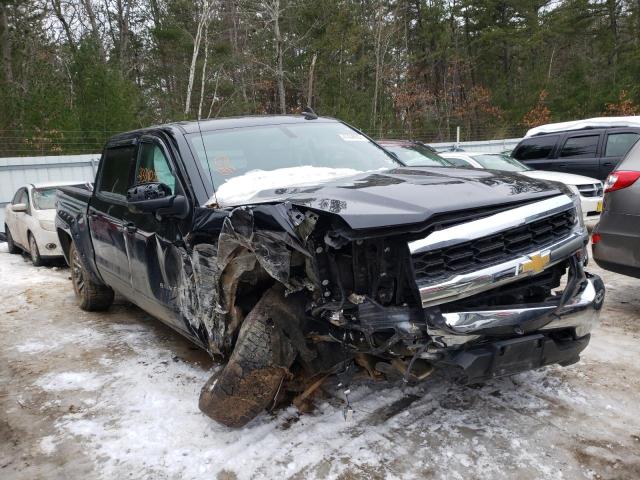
point(250, 381)
point(92, 296)
point(13, 248)
point(36, 259)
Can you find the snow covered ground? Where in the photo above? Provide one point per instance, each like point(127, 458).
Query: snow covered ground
point(114, 395)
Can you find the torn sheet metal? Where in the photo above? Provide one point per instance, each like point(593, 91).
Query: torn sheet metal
point(248, 239)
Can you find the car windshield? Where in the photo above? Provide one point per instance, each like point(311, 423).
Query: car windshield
point(44, 198)
point(315, 150)
point(498, 161)
point(414, 155)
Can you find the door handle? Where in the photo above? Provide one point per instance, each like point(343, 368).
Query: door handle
point(562, 165)
point(607, 164)
point(129, 227)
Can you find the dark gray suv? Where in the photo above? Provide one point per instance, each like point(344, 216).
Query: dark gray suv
point(616, 238)
point(592, 152)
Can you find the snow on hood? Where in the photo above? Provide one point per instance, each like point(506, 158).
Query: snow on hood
point(629, 121)
point(566, 178)
point(241, 189)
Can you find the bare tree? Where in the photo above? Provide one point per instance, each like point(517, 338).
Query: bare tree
point(57, 7)
point(312, 68)
point(383, 33)
point(93, 22)
point(5, 44)
point(273, 10)
point(204, 10)
point(204, 69)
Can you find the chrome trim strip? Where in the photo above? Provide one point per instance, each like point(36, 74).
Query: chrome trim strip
point(582, 312)
point(493, 224)
point(468, 284)
point(469, 322)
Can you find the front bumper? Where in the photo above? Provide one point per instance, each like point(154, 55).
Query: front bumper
point(576, 310)
point(48, 243)
point(591, 206)
point(515, 355)
point(510, 341)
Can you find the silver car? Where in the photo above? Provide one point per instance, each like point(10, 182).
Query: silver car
point(616, 238)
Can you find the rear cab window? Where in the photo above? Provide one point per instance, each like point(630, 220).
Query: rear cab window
point(536, 147)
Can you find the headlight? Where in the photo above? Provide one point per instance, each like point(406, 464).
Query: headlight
point(577, 203)
point(574, 189)
point(48, 225)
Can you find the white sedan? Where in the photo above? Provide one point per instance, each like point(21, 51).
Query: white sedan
point(29, 221)
point(589, 189)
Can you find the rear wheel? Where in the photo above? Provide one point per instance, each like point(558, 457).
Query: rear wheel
point(13, 248)
point(34, 252)
point(91, 296)
point(250, 381)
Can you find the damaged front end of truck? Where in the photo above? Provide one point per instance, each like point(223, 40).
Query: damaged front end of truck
point(290, 292)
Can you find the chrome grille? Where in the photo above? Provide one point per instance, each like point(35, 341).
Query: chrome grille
point(590, 190)
point(439, 264)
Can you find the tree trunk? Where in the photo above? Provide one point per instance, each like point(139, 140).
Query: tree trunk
point(5, 44)
point(377, 50)
point(310, 87)
point(204, 18)
point(95, 33)
point(204, 69)
point(57, 10)
point(279, 57)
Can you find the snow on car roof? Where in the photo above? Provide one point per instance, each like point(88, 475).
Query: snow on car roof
point(598, 122)
point(57, 184)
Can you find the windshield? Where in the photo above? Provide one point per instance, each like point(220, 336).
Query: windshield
point(44, 198)
point(322, 145)
point(498, 161)
point(415, 155)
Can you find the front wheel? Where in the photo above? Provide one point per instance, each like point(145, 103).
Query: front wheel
point(92, 296)
point(35, 253)
point(13, 248)
point(250, 381)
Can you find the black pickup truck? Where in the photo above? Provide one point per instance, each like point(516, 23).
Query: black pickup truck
point(295, 247)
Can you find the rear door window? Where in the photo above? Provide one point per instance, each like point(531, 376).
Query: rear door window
point(116, 170)
point(535, 147)
point(582, 146)
point(618, 144)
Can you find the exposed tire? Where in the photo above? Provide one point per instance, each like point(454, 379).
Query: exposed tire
point(250, 381)
point(36, 259)
point(13, 248)
point(92, 296)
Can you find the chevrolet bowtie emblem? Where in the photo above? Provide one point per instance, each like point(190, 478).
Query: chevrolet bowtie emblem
point(536, 263)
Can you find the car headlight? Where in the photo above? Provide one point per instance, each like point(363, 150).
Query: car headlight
point(577, 204)
point(48, 225)
point(574, 189)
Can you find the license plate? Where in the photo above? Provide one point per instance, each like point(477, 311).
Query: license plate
point(599, 207)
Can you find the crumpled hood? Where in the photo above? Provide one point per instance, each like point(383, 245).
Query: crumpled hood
point(409, 195)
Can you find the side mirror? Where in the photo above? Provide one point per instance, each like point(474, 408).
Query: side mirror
point(157, 198)
point(19, 207)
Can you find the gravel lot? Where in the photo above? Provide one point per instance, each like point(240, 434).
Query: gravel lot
point(114, 395)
